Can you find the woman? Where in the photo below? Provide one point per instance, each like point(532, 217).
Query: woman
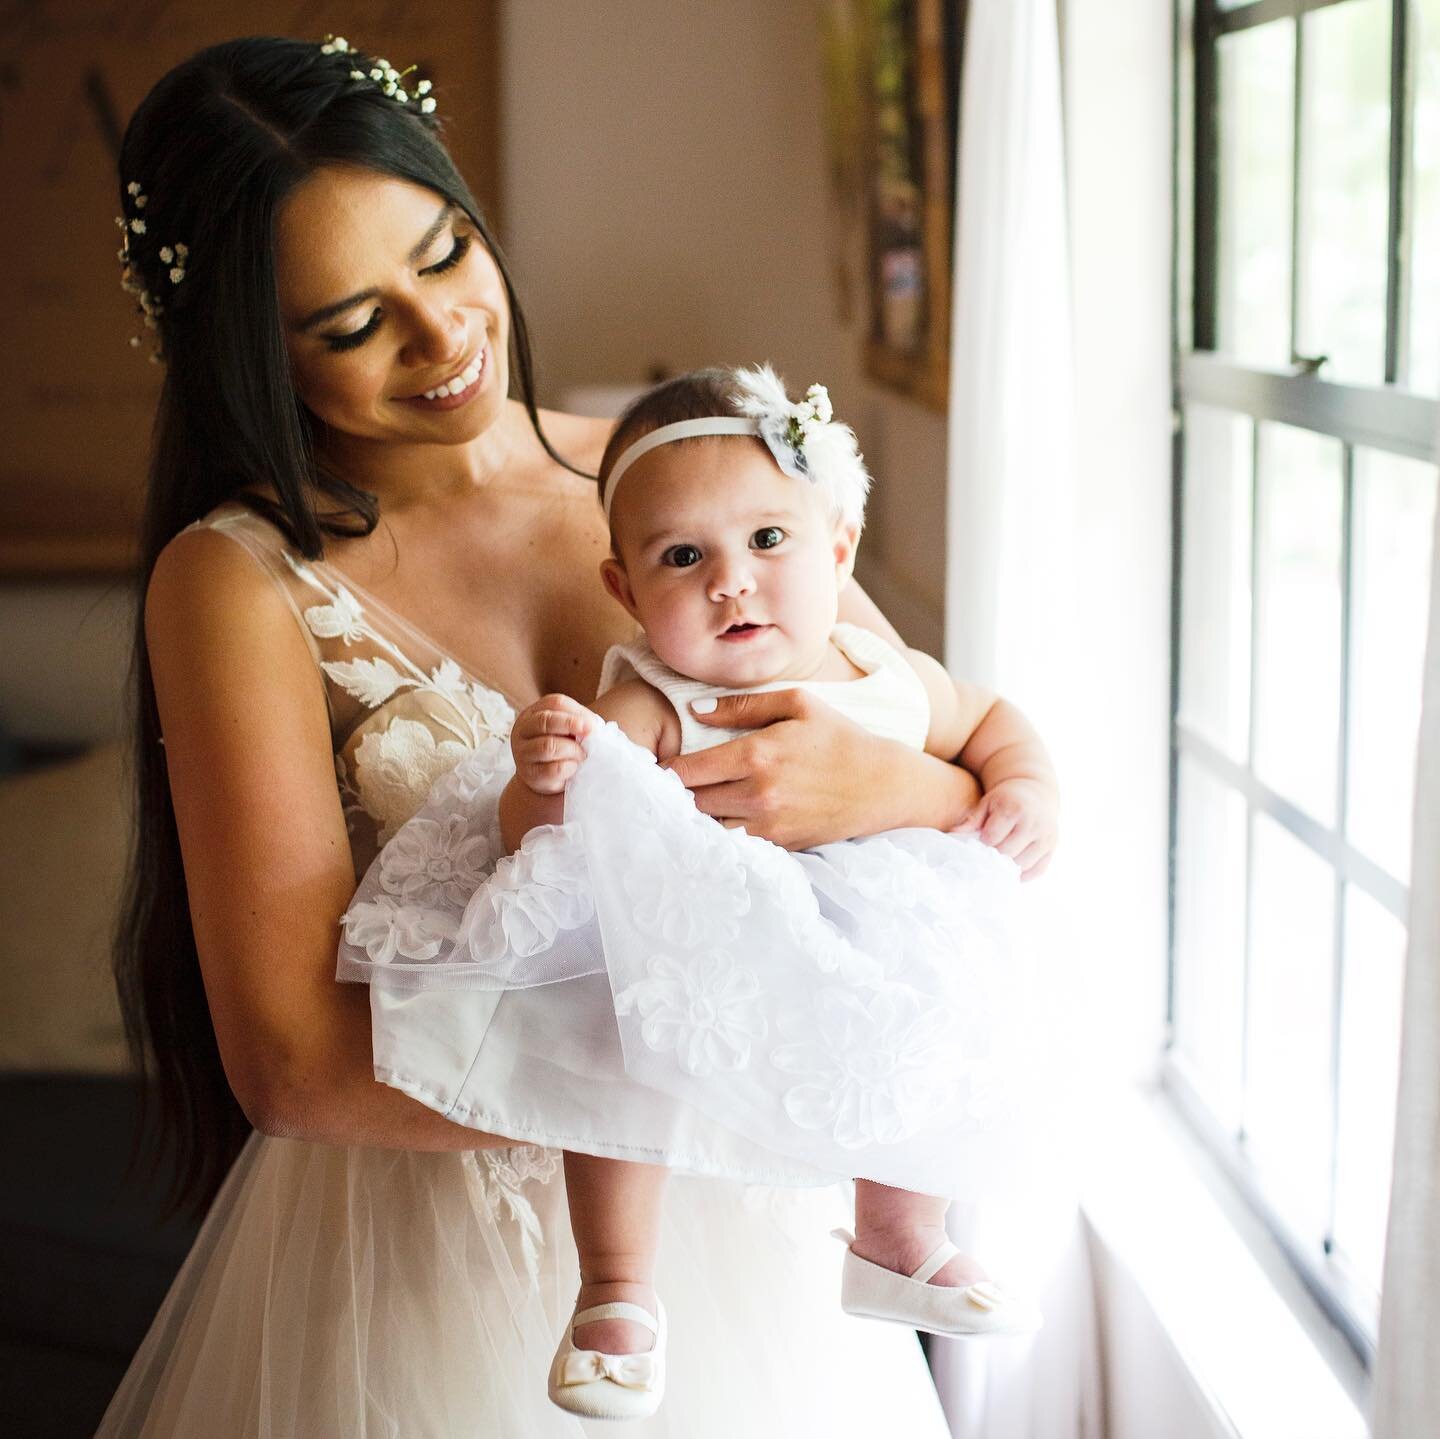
point(336, 450)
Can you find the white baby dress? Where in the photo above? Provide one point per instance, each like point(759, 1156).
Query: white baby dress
point(351, 1292)
point(686, 994)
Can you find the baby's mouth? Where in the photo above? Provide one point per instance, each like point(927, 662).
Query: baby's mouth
point(741, 630)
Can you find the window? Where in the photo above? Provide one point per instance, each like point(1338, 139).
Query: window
point(1308, 361)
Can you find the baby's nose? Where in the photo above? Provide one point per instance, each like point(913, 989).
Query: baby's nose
point(729, 580)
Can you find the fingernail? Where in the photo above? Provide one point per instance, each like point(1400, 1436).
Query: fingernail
point(704, 705)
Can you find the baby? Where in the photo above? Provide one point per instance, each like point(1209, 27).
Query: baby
point(734, 516)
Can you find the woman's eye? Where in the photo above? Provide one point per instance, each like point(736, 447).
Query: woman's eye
point(356, 337)
point(460, 249)
point(767, 538)
point(681, 557)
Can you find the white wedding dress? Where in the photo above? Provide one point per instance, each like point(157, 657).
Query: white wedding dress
point(354, 1293)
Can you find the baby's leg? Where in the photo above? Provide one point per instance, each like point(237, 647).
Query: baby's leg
point(615, 1209)
point(899, 1230)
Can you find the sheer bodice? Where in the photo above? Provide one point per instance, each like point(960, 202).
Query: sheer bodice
point(402, 711)
point(353, 1293)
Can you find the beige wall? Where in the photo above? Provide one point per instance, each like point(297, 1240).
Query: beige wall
point(664, 182)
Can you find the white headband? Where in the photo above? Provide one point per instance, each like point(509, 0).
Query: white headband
point(680, 430)
point(804, 439)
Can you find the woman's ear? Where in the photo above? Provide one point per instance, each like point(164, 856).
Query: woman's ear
point(617, 584)
point(847, 537)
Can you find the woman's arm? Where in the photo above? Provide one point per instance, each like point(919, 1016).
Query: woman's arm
point(809, 776)
point(267, 859)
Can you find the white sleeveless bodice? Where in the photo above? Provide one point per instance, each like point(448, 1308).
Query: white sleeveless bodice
point(890, 700)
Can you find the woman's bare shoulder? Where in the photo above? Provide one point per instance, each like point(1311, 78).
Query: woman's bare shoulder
point(206, 588)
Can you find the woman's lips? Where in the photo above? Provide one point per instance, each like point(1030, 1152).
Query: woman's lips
point(481, 362)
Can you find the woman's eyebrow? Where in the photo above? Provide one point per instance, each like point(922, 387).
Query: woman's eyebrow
point(328, 312)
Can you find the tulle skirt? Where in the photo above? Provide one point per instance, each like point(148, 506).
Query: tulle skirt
point(348, 1293)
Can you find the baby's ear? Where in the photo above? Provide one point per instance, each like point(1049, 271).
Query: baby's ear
point(617, 584)
point(847, 537)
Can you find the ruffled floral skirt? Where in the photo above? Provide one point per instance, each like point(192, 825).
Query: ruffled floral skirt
point(644, 983)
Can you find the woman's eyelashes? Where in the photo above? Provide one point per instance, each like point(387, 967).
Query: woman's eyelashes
point(458, 251)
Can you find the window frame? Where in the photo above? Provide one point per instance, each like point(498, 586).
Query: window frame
point(1384, 417)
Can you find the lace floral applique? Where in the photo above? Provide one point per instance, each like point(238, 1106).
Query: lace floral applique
point(877, 1066)
point(395, 766)
point(503, 1175)
point(707, 1010)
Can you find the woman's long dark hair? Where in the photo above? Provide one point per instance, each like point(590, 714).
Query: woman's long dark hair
point(215, 148)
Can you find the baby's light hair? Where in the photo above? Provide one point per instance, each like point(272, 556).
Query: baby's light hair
point(831, 451)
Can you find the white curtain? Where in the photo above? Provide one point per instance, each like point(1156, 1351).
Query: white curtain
point(1407, 1402)
point(1011, 486)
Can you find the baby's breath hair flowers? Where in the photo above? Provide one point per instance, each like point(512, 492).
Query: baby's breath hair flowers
point(172, 257)
point(383, 73)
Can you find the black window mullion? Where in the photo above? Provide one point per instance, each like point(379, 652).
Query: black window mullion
point(1297, 188)
point(1206, 256)
point(1397, 269)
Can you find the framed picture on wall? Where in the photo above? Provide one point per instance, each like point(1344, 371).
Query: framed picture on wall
point(81, 400)
point(892, 83)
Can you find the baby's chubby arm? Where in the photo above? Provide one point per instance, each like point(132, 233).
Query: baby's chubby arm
point(1018, 812)
point(547, 744)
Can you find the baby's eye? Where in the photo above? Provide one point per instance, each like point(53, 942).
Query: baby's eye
point(681, 556)
point(767, 538)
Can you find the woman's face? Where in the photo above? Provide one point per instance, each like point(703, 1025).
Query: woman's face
point(394, 311)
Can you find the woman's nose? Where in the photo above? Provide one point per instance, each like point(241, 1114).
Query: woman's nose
point(438, 334)
point(730, 579)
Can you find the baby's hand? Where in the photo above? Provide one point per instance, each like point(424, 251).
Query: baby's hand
point(1020, 818)
point(546, 742)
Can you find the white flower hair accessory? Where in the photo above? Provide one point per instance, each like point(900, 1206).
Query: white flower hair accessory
point(806, 439)
point(172, 260)
point(383, 73)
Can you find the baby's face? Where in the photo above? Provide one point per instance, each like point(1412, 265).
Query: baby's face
point(732, 568)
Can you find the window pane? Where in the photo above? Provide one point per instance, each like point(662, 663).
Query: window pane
point(1210, 937)
point(1369, 1076)
point(1344, 188)
point(1423, 249)
point(1297, 675)
point(1215, 579)
point(1288, 1029)
point(1393, 535)
point(1257, 85)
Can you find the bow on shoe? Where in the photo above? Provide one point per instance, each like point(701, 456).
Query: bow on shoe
point(632, 1371)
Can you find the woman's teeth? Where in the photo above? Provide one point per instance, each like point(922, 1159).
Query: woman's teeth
point(462, 381)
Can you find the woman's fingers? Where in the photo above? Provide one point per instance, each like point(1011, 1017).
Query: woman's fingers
point(752, 711)
point(722, 764)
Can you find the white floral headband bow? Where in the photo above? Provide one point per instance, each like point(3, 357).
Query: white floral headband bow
point(805, 440)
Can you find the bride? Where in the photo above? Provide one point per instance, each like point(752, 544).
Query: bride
point(360, 556)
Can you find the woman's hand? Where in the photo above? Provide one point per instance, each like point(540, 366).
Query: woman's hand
point(546, 742)
point(1020, 818)
point(808, 776)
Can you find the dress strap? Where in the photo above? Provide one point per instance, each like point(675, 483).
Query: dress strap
point(266, 546)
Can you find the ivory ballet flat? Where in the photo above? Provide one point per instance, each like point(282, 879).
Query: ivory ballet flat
point(610, 1386)
point(873, 1292)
